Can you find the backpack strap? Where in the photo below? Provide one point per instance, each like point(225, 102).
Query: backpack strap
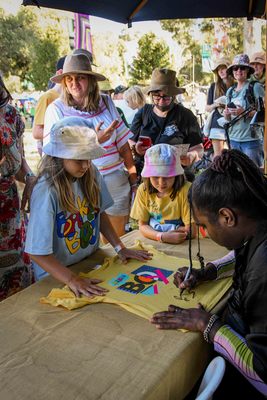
point(250, 96)
point(230, 94)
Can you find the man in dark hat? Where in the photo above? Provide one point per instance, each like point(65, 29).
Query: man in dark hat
point(118, 92)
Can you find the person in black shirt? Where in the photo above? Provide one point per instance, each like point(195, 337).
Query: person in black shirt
point(165, 121)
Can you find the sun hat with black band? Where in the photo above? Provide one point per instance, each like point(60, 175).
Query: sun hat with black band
point(77, 64)
point(241, 60)
point(164, 80)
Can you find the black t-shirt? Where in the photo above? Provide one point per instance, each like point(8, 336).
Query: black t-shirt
point(180, 126)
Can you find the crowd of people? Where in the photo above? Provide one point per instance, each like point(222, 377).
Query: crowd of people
point(99, 166)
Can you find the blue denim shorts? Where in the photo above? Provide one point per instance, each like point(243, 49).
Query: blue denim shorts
point(252, 148)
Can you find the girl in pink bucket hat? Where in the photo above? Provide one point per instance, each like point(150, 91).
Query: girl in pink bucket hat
point(161, 206)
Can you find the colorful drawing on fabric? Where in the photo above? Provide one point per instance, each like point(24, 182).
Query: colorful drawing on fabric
point(78, 230)
point(145, 280)
point(82, 32)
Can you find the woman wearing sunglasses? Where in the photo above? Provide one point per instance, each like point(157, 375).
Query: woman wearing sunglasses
point(242, 135)
point(165, 121)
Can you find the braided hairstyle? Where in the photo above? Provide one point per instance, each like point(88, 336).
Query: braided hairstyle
point(233, 181)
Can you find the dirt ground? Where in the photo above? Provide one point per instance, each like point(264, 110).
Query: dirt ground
point(30, 149)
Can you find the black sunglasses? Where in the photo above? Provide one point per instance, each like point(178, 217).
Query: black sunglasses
point(241, 67)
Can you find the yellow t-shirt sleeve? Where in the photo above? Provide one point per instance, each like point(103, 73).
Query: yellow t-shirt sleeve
point(139, 210)
point(41, 106)
point(185, 207)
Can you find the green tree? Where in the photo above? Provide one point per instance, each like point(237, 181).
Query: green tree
point(183, 33)
point(16, 33)
point(152, 53)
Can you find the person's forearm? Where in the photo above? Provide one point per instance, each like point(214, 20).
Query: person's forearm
point(197, 151)
point(234, 348)
point(38, 132)
point(108, 231)
point(224, 266)
point(149, 232)
point(126, 154)
point(54, 267)
point(23, 171)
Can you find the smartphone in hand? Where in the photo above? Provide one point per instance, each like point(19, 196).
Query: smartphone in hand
point(145, 140)
point(231, 105)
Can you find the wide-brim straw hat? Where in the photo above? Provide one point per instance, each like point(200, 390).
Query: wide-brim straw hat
point(259, 57)
point(77, 64)
point(162, 160)
point(220, 62)
point(241, 60)
point(164, 80)
point(73, 138)
point(105, 86)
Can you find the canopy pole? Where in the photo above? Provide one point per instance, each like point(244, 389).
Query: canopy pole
point(135, 11)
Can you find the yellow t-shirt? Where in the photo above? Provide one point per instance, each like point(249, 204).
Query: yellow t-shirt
point(42, 104)
point(142, 288)
point(164, 210)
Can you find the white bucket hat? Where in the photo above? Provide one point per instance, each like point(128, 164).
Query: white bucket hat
point(73, 138)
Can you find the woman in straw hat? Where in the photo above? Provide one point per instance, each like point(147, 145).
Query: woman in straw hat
point(242, 136)
point(165, 121)
point(218, 89)
point(81, 98)
point(258, 62)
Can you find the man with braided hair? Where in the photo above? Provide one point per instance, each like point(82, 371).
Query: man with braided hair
point(230, 200)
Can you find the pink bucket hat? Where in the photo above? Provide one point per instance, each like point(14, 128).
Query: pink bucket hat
point(162, 160)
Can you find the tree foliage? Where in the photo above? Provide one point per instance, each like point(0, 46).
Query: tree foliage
point(29, 50)
point(152, 53)
point(16, 34)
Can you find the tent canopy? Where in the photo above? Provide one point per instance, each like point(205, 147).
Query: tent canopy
point(126, 11)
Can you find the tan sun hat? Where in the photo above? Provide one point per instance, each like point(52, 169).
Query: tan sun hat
point(77, 64)
point(165, 80)
point(259, 57)
point(105, 86)
point(220, 61)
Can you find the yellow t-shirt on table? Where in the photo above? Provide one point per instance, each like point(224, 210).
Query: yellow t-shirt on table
point(142, 288)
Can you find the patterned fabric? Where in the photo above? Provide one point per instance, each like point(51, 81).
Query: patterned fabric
point(234, 348)
point(15, 268)
point(107, 112)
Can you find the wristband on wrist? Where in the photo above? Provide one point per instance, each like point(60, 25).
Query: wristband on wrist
point(118, 248)
point(206, 333)
point(29, 174)
point(159, 237)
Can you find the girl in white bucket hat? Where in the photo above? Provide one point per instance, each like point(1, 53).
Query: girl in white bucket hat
point(65, 226)
point(81, 97)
